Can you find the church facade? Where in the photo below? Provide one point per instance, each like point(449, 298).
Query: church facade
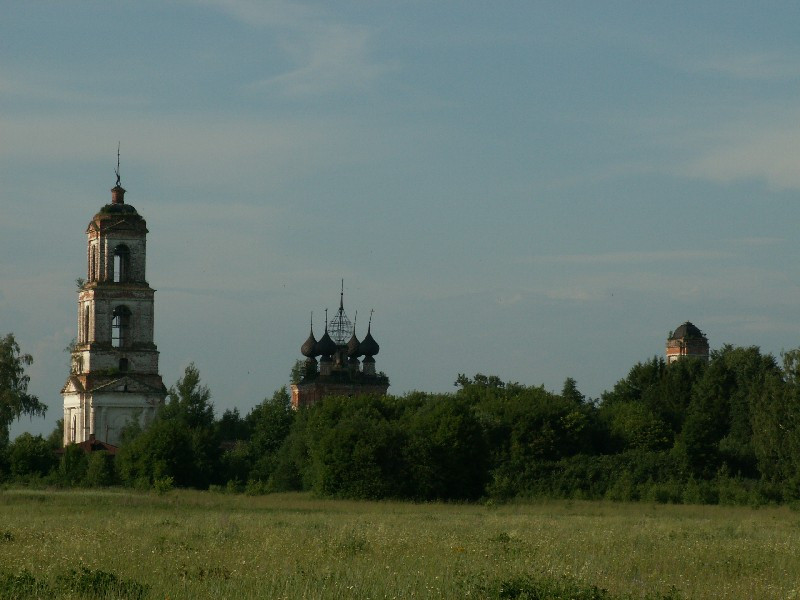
point(339, 372)
point(114, 376)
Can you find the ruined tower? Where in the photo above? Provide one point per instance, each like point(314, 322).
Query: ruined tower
point(114, 375)
point(686, 340)
point(339, 372)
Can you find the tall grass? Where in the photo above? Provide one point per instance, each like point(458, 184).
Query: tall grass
point(186, 544)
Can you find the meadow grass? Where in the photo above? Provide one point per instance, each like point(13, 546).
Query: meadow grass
point(188, 544)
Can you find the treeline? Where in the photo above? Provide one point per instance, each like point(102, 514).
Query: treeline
point(722, 431)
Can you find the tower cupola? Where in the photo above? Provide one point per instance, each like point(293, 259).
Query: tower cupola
point(687, 341)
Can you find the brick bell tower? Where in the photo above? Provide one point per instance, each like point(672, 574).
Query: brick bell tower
point(114, 375)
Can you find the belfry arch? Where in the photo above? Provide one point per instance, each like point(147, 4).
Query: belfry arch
point(122, 264)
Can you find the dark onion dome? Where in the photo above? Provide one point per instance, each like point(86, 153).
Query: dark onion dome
point(325, 346)
point(368, 346)
point(308, 349)
point(354, 347)
point(687, 331)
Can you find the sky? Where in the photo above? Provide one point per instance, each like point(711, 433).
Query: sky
point(534, 190)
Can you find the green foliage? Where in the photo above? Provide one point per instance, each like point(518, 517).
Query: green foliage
point(93, 584)
point(31, 455)
point(100, 469)
point(56, 438)
point(74, 583)
point(355, 448)
point(722, 431)
point(445, 452)
point(299, 371)
point(15, 400)
point(165, 449)
point(22, 585)
point(190, 401)
point(269, 423)
point(525, 587)
point(162, 485)
point(182, 443)
point(73, 466)
point(232, 426)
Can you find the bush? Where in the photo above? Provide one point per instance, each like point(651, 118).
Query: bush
point(30, 455)
point(100, 469)
point(162, 485)
point(73, 466)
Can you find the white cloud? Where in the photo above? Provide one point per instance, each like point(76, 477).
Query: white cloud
point(509, 299)
point(752, 151)
point(759, 241)
point(46, 85)
point(336, 60)
point(752, 66)
point(255, 154)
point(265, 13)
point(327, 56)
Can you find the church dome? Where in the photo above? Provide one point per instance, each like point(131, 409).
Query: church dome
point(325, 346)
point(115, 209)
point(309, 347)
point(354, 347)
point(687, 331)
point(368, 346)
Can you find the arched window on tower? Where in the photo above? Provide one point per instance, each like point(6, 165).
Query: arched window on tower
point(92, 263)
point(86, 324)
point(122, 263)
point(120, 327)
point(74, 427)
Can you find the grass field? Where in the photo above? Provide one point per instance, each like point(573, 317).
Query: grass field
point(189, 544)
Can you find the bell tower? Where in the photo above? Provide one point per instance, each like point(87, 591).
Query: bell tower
point(114, 375)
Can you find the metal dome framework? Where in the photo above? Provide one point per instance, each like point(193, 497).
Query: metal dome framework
point(340, 328)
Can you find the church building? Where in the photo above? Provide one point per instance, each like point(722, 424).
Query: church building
point(686, 340)
point(339, 371)
point(114, 376)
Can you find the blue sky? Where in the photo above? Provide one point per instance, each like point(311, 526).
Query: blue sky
point(537, 190)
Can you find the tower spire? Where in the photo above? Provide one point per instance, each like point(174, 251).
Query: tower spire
point(117, 192)
point(116, 171)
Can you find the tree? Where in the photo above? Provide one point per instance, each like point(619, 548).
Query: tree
point(270, 423)
point(298, 371)
point(445, 451)
point(569, 391)
point(15, 400)
point(31, 455)
point(776, 428)
point(182, 443)
point(190, 401)
point(232, 426)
